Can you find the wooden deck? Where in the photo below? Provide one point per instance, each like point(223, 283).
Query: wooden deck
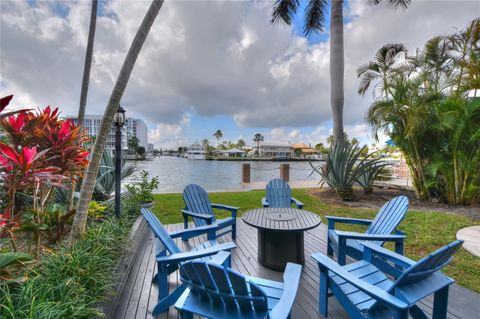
point(139, 296)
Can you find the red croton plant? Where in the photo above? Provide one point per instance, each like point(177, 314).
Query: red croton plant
point(38, 149)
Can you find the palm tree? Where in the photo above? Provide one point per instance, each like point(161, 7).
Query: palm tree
point(314, 21)
point(205, 143)
point(88, 63)
point(241, 144)
point(86, 191)
point(218, 135)
point(257, 139)
point(380, 69)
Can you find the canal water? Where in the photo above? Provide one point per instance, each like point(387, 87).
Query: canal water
point(175, 173)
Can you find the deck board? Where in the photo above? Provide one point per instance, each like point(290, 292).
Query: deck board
point(139, 296)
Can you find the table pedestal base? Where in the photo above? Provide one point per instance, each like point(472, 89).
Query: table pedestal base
point(277, 248)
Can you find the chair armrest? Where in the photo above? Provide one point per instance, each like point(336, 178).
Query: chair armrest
point(201, 216)
point(179, 257)
point(364, 286)
point(193, 232)
point(225, 207)
point(291, 281)
point(363, 236)
point(265, 202)
point(371, 250)
point(345, 220)
point(297, 202)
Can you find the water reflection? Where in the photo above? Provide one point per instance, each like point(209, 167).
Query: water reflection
point(175, 173)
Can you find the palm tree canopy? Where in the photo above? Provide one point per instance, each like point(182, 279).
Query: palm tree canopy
point(315, 14)
point(258, 138)
point(381, 67)
point(218, 134)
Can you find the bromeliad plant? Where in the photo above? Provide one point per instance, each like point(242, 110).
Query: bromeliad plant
point(344, 167)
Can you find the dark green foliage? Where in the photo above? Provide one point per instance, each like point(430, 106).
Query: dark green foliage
point(105, 183)
point(71, 281)
point(344, 167)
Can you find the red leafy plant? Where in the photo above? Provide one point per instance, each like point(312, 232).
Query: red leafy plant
point(42, 153)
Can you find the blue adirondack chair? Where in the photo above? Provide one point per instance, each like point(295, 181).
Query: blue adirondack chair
point(169, 256)
point(220, 292)
point(198, 207)
point(279, 195)
point(379, 231)
point(367, 292)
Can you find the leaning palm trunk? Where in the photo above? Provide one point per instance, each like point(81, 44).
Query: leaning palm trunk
point(88, 184)
point(88, 64)
point(336, 68)
point(84, 89)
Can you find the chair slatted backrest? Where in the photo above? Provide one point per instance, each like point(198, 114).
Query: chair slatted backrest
point(218, 283)
point(196, 200)
point(278, 194)
point(389, 217)
point(429, 264)
point(164, 242)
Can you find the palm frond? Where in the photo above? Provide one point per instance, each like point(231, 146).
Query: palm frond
point(283, 11)
point(315, 16)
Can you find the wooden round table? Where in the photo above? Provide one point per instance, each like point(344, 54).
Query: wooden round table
point(280, 234)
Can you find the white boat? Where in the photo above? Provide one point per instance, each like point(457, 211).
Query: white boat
point(196, 152)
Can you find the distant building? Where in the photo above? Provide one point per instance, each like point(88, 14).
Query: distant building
point(150, 147)
point(231, 153)
point(91, 125)
point(196, 151)
point(137, 128)
point(303, 150)
point(275, 149)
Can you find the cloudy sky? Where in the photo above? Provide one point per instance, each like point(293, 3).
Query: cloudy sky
point(207, 65)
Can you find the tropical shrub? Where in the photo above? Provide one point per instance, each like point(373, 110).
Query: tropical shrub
point(343, 167)
point(428, 105)
point(143, 190)
point(96, 211)
point(369, 176)
point(105, 183)
point(42, 153)
point(86, 275)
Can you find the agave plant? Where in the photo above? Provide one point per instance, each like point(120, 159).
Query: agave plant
point(105, 183)
point(344, 167)
point(369, 176)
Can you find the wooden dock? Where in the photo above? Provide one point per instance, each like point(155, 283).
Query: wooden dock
point(139, 296)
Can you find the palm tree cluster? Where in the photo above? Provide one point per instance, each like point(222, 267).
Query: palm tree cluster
point(428, 104)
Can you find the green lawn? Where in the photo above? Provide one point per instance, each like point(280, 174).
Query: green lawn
point(425, 231)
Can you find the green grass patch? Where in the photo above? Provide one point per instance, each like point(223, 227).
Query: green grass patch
point(426, 231)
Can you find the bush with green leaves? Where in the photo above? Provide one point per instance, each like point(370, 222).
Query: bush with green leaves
point(71, 281)
point(105, 183)
point(142, 191)
point(344, 167)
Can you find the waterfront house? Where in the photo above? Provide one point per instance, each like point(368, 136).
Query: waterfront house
point(275, 149)
point(304, 150)
point(235, 152)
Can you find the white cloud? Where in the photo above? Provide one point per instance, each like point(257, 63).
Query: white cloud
point(208, 58)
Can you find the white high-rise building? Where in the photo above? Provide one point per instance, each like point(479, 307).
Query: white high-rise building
point(138, 128)
point(91, 124)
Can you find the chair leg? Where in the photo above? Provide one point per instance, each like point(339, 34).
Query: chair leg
point(440, 303)
point(329, 246)
point(169, 300)
point(234, 231)
point(185, 226)
point(323, 290)
point(186, 315)
point(417, 313)
point(401, 314)
point(342, 247)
